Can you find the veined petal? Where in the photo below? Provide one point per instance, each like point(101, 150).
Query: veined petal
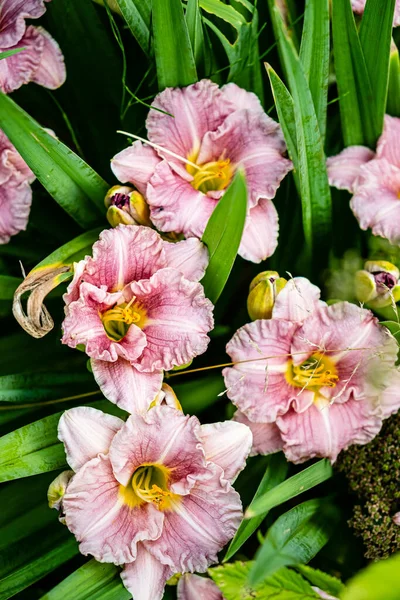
point(124, 385)
point(344, 168)
point(145, 578)
point(194, 587)
point(325, 429)
point(12, 165)
point(227, 445)
point(267, 437)
point(199, 524)
point(136, 165)
point(85, 433)
point(175, 205)
point(297, 300)
point(164, 436)
point(20, 68)
point(260, 235)
point(390, 398)
point(15, 205)
point(96, 512)
point(242, 99)
point(178, 318)
point(189, 257)
point(12, 19)
point(389, 145)
point(51, 71)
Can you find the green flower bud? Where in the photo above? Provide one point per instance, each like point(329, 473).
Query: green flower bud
point(57, 489)
point(263, 290)
point(378, 284)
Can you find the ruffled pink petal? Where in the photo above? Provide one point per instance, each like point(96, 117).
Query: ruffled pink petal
point(389, 145)
point(20, 68)
point(376, 201)
point(12, 19)
point(15, 205)
point(12, 164)
point(199, 524)
point(124, 254)
point(389, 400)
point(344, 168)
point(260, 235)
point(85, 433)
point(297, 301)
point(178, 318)
point(189, 257)
point(51, 72)
point(83, 325)
point(196, 109)
point(104, 524)
point(72, 293)
point(227, 445)
point(325, 429)
point(267, 437)
point(165, 436)
point(240, 98)
point(256, 143)
point(135, 165)
point(194, 587)
point(175, 205)
point(145, 578)
point(124, 385)
point(258, 387)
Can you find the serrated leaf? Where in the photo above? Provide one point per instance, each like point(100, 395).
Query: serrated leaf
point(292, 487)
point(379, 581)
point(322, 580)
point(222, 236)
point(283, 585)
point(275, 473)
point(75, 186)
point(173, 52)
point(295, 537)
point(137, 15)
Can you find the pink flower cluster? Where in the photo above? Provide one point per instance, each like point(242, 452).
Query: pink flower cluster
point(313, 379)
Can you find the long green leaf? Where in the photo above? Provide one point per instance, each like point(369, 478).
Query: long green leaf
point(47, 385)
point(77, 188)
point(222, 236)
point(173, 51)
point(7, 53)
point(195, 30)
point(375, 37)
point(285, 109)
point(356, 98)
point(393, 98)
point(72, 251)
point(137, 16)
point(314, 55)
point(295, 538)
point(92, 581)
point(292, 487)
point(311, 167)
point(273, 476)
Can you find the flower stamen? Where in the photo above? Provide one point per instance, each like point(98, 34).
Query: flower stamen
point(315, 372)
point(212, 176)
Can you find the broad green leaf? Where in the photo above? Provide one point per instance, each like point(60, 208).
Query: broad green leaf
point(195, 30)
point(7, 53)
point(47, 385)
point(311, 165)
point(223, 11)
point(393, 98)
point(295, 537)
point(292, 487)
point(275, 473)
point(222, 236)
point(232, 580)
point(379, 581)
point(77, 188)
point(92, 581)
point(325, 582)
point(137, 15)
point(375, 37)
point(314, 56)
point(8, 285)
point(356, 98)
point(172, 48)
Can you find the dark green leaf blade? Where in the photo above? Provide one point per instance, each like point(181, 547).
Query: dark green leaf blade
point(7, 53)
point(222, 236)
point(137, 16)
point(393, 97)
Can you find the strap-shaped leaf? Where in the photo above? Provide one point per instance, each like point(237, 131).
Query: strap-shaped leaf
point(137, 16)
point(393, 97)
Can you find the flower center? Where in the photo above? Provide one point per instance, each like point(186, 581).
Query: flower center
point(117, 320)
point(211, 176)
point(150, 484)
point(384, 279)
point(120, 200)
point(315, 372)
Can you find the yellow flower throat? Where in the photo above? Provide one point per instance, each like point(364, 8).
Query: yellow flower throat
point(117, 320)
point(149, 484)
point(315, 372)
point(211, 176)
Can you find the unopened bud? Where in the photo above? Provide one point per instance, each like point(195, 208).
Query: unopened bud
point(126, 206)
point(378, 284)
point(263, 290)
point(57, 489)
point(166, 396)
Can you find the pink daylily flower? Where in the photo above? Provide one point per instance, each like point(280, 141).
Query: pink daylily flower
point(194, 587)
point(15, 190)
point(153, 494)
point(137, 308)
point(41, 61)
point(374, 181)
point(316, 386)
point(195, 154)
point(359, 6)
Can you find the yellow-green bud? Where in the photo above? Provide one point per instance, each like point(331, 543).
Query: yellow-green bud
point(126, 206)
point(57, 489)
point(262, 294)
point(377, 284)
